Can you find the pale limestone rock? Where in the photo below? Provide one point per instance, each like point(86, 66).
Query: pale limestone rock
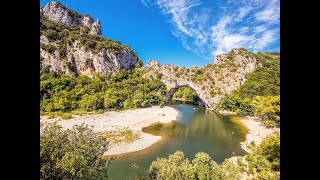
point(44, 40)
point(79, 60)
point(96, 28)
point(225, 80)
point(57, 12)
point(86, 62)
point(87, 20)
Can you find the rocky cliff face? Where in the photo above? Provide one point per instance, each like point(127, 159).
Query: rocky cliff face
point(75, 50)
point(82, 61)
point(212, 82)
point(59, 13)
point(96, 28)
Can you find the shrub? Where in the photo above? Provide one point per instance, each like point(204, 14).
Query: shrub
point(259, 163)
point(178, 167)
point(63, 50)
point(51, 34)
point(212, 93)
point(270, 148)
point(71, 154)
point(260, 94)
point(65, 116)
point(48, 47)
point(65, 93)
point(270, 124)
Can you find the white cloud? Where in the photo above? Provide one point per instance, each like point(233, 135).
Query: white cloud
point(271, 13)
point(243, 30)
point(252, 24)
point(147, 3)
point(243, 12)
point(260, 28)
point(266, 38)
point(179, 11)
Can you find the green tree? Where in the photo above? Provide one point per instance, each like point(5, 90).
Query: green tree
point(205, 168)
point(138, 64)
point(179, 167)
point(270, 148)
point(122, 90)
point(230, 170)
point(262, 163)
point(175, 167)
point(51, 34)
point(110, 98)
point(263, 81)
point(92, 102)
point(75, 153)
point(267, 107)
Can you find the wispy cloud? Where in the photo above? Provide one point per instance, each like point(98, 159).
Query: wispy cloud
point(252, 24)
point(147, 3)
point(271, 13)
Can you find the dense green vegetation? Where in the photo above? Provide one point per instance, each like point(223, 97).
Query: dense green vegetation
point(75, 153)
point(185, 93)
point(262, 163)
point(260, 94)
point(123, 90)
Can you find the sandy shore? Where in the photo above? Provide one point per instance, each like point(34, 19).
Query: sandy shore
point(135, 120)
point(256, 131)
point(225, 112)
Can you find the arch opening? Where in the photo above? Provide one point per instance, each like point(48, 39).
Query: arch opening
point(185, 93)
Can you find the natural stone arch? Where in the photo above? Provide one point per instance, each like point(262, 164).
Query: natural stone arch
point(217, 80)
point(174, 89)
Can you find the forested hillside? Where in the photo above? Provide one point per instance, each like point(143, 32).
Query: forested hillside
point(260, 94)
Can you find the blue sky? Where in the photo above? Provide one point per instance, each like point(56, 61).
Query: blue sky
point(186, 32)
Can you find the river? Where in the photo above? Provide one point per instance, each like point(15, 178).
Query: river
point(195, 130)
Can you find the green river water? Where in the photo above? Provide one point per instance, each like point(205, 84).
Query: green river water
point(196, 129)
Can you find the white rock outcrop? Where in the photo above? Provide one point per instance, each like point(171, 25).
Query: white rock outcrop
point(222, 77)
point(78, 59)
point(82, 61)
point(60, 13)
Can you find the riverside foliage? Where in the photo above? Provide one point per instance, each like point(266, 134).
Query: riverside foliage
point(123, 90)
point(185, 93)
point(260, 94)
point(262, 163)
point(75, 153)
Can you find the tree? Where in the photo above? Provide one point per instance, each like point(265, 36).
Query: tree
point(110, 98)
point(91, 102)
point(204, 167)
point(122, 90)
point(263, 81)
point(230, 170)
point(138, 64)
point(262, 163)
point(267, 107)
point(179, 167)
point(175, 167)
point(75, 153)
point(51, 34)
point(270, 148)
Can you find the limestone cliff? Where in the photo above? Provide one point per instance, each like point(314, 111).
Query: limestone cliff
point(212, 82)
point(71, 43)
point(59, 13)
